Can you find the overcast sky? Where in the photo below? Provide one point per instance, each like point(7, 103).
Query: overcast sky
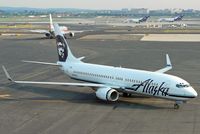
point(104, 4)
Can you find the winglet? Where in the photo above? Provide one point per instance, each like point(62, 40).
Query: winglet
point(7, 74)
point(168, 61)
point(168, 65)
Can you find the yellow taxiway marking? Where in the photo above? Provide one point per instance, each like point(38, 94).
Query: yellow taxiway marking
point(31, 75)
point(4, 96)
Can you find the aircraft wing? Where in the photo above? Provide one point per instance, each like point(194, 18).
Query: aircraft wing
point(168, 65)
point(134, 20)
point(52, 83)
point(39, 62)
point(39, 31)
point(76, 31)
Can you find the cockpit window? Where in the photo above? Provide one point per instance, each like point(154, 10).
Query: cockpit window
point(182, 85)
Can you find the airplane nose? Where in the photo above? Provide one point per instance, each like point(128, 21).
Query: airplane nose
point(191, 92)
point(195, 93)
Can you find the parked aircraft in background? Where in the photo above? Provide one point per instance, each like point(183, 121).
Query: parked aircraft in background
point(50, 33)
point(108, 81)
point(177, 18)
point(138, 20)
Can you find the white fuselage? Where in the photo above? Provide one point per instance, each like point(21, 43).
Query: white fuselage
point(166, 20)
point(170, 19)
point(63, 29)
point(131, 80)
point(133, 20)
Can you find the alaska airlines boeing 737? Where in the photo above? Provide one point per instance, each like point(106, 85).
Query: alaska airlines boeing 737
point(108, 81)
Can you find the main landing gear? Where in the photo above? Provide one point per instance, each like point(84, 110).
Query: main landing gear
point(177, 104)
point(126, 95)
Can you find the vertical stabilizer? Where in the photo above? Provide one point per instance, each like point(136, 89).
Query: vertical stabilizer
point(64, 52)
point(51, 23)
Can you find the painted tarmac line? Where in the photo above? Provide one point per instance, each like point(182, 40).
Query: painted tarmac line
point(4, 96)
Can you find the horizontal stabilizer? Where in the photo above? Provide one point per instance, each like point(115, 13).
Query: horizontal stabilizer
point(81, 58)
point(168, 65)
point(38, 62)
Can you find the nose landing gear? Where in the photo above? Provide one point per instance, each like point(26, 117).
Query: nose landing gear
point(177, 104)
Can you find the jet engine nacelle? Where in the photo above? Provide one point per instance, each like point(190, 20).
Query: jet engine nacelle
point(107, 94)
point(71, 34)
point(49, 35)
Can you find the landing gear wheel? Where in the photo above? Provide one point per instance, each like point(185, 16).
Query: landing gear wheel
point(176, 106)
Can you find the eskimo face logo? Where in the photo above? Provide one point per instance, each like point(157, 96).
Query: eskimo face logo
point(61, 48)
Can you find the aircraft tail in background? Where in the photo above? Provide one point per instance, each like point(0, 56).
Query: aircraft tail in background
point(51, 28)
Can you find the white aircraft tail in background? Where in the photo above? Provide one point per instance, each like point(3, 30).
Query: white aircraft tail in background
point(51, 28)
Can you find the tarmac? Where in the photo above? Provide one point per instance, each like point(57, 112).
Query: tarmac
point(172, 37)
point(31, 109)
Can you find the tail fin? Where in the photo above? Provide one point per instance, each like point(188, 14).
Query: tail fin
point(146, 17)
point(64, 52)
point(179, 17)
point(51, 23)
